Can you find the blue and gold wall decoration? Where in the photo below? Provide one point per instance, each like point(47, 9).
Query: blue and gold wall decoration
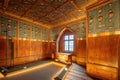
point(78, 28)
point(36, 33)
point(55, 32)
point(72, 27)
point(24, 30)
point(44, 34)
point(104, 18)
point(9, 26)
point(81, 30)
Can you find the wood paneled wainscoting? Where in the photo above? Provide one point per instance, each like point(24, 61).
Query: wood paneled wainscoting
point(24, 51)
point(81, 52)
point(103, 57)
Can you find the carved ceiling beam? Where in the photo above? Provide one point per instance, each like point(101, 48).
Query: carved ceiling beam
point(5, 5)
point(29, 9)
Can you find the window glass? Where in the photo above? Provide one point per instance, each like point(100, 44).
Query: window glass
point(66, 42)
point(66, 48)
point(71, 37)
point(71, 48)
point(69, 42)
point(66, 37)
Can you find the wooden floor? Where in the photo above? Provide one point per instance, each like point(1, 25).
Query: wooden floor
point(77, 72)
point(37, 72)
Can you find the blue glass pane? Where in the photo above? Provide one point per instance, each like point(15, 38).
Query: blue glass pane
point(71, 48)
point(71, 36)
point(66, 37)
point(71, 42)
point(66, 48)
point(66, 42)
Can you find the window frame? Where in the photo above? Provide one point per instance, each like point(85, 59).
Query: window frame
point(69, 50)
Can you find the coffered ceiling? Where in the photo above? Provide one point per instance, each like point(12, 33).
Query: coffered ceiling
point(49, 13)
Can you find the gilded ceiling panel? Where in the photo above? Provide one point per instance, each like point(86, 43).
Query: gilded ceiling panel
point(56, 3)
point(46, 19)
point(40, 6)
point(16, 8)
point(78, 14)
point(55, 15)
point(35, 14)
point(45, 12)
point(67, 8)
point(81, 2)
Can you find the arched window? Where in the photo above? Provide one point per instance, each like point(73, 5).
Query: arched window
point(69, 43)
point(65, 41)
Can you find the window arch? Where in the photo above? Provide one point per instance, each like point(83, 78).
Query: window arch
point(61, 43)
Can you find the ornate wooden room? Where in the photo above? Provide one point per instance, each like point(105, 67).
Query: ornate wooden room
point(59, 39)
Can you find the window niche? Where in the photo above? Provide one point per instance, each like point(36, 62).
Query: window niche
point(65, 41)
point(65, 46)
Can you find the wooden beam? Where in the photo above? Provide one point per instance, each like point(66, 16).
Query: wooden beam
point(28, 10)
point(5, 5)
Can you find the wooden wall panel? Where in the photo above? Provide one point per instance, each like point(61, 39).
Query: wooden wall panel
point(103, 57)
point(45, 50)
point(103, 50)
point(82, 48)
point(81, 52)
point(10, 56)
point(103, 39)
point(2, 48)
point(20, 60)
point(15, 47)
point(35, 47)
point(2, 62)
point(102, 72)
point(39, 50)
point(24, 48)
point(52, 47)
point(24, 44)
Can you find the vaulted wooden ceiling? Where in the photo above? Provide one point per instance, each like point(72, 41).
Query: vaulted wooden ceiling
point(50, 13)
